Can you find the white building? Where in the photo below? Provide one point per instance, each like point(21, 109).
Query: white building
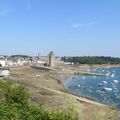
point(2, 61)
point(41, 62)
point(11, 63)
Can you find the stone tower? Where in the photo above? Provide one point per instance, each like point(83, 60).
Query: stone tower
point(38, 56)
point(51, 59)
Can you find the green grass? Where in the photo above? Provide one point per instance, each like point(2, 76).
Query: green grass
point(14, 105)
point(90, 74)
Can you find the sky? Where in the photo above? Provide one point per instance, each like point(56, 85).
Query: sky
point(67, 27)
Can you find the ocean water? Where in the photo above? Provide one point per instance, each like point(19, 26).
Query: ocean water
point(105, 90)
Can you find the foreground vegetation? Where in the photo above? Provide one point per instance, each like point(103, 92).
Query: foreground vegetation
point(92, 60)
point(15, 105)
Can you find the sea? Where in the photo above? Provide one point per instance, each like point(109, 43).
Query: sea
point(101, 89)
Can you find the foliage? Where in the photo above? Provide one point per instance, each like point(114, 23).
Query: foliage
point(16, 94)
point(63, 115)
point(92, 60)
point(23, 56)
point(15, 106)
point(9, 112)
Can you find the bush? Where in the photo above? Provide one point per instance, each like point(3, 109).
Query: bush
point(16, 107)
point(63, 115)
point(9, 112)
point(37, 113)
point(17, 94)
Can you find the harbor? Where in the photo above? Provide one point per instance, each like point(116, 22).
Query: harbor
point(99, 88)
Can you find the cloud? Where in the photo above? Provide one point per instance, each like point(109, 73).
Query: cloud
point(79, 25)
point(28, 4)
point(5, 11)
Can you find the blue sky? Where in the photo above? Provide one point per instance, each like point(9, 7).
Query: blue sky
point(68, 27)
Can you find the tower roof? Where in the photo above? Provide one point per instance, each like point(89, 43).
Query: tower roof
point(51, 53)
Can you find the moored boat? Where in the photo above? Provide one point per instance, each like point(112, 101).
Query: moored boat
point(107, 89)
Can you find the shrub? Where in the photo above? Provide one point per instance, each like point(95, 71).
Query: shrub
point(37, 113)
point(9, 112)
point(17, 94)
point(16, 106)
point(63, 115)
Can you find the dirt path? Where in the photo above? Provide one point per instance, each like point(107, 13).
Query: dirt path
point(70, 95)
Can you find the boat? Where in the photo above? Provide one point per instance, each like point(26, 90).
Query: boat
point(112, 75)
point(107, 89)
point(113, 71)
point(107, 74)
point(115, 81)
point(83, 77)
point(94, 76)
point(104, 82)
point(103, 70)
point(99, 84)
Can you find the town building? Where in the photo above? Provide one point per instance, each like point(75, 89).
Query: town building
point(51, 59)
point(2, 61)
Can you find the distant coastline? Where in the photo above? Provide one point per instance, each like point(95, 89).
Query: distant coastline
point(99, 66)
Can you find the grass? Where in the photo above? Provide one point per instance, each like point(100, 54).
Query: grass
point(46, 93)
point(64, 90)
point(90, 74)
